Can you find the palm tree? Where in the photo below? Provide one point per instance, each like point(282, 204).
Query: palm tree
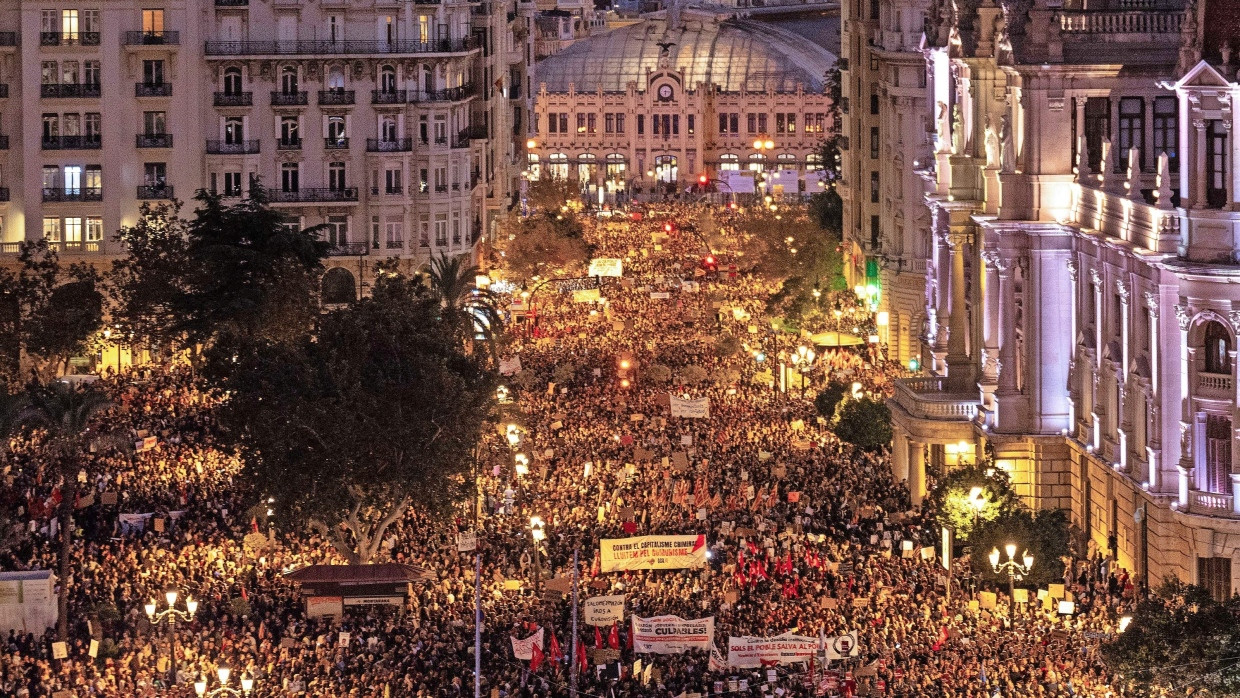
point(11, 407)
point(65, 412)
point(472, 308)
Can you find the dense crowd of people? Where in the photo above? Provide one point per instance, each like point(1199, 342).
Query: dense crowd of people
point(806, 534)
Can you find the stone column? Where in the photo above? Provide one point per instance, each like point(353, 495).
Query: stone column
point(1235, 493)
point(917, 472)
point(990, 351)
point(959, 373)
point(1007, 324)
point(899, 454)
point(1186, 476)
point(942, 316)
point(1198, 167)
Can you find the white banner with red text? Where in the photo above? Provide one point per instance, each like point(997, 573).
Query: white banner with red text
point(672, 634)
point(652, 553)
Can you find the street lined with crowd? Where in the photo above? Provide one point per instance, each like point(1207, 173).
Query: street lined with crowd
point(806, 534)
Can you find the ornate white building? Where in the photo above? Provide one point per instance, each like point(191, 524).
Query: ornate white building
point(1081, 297)
point(396, 123)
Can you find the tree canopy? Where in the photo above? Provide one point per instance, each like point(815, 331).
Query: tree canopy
point(350, 428)
point(865, 423)
point(953, 502)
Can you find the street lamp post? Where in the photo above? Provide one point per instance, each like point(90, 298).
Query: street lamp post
point(1014, 569)
point(538, 533)
point(170, 616)
point(977, 502)
point(801, 359)
point(223, 673)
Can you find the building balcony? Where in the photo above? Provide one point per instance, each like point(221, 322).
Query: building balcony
point(4, 194)
point(234, 99)
point(348, 249)
point(336, 98)
point(1216, 386)
point(87, 142)
point(288, 144)
point(1210, 504)
point(68, 38)
point(336, 143)
point(69, 89)
point(311, 196)
point(75, 246)
point(451, 94)
point(397, 145)
point(153, 38)
point(289, 99)
point(926, 398)
point(1095, 23)
point(232, 3)
point(232, 148)
point(155, 191)
point(152, 89)
point(8, 39)
point(388, 96)
point(153, 140)
point(335, 48)
point(1123, 218)
point(55, 194)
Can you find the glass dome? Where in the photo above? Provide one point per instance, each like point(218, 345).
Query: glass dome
point(733, 54)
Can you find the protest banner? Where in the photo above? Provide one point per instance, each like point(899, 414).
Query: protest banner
point(604, 610)
point(586, 295)
point(692, 408)
point(509, 365)
point(466, 541)
point(524, 649)
point(672, 634)
point(652, 553)
point(606, 266)
point(752, 652)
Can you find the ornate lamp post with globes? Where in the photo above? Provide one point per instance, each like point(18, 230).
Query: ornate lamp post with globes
point(223, 674)
point(170, 616)
point(1014, 569)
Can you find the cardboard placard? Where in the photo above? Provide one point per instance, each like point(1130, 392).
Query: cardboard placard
point(60, 650)
point(288, 643)
point(1021, 595)
point(1055, 591)
point(108, 499)
point(680, 461)
point(987, 599)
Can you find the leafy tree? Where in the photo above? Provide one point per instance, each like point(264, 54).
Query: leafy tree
point(1179, 642)
point(1044, 534)
point(351, 427)
point(548, 195)
point(693, 374)
point(46, 310)
point(247, 273)
point(727, 345)
point(65, 412)
point(659, 373)
point(828, 399)
point(541, 245)
point(865, 423)
point(954, 498)
point(145, 284)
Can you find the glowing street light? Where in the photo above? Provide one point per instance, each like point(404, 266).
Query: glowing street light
point(170, 616)
point(1015, 570)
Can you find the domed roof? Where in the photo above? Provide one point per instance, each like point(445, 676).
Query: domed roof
point(732, 54)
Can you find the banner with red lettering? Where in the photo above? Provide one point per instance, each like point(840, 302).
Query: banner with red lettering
point(753, 652)
point(652, 553)
point(672, 634)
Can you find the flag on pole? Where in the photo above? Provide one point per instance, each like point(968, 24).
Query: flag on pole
point(582, 661)
point(536, 658)
point(613, 638)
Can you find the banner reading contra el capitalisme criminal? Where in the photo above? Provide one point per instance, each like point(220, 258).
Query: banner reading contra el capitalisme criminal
point(652, 553)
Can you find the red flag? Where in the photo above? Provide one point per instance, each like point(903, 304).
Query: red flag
point(598, 639)
point(536, 658)
point(556, 654)
point(628, 640)
point(581, 655)
point(613, 638)
point(254, 523)
point(244, 595)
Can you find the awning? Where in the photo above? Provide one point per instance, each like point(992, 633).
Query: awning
point(836, 339)
point(347, 575)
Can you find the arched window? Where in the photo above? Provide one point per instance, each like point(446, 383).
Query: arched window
point(335, 79)
point(616, 167)
point(534, 166)
point(729, 161)
point(338, 287)
point(813, 161)
point(1217, 348)
point(587, 168)
point(757, 162)
point(232, 81)
point(288, 80)
point(786, 161)
point(387, 79)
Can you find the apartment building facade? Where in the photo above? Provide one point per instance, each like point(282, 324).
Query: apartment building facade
point(1083, 248)
point(391, 122)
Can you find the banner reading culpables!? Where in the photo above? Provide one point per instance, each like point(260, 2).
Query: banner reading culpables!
point(672, 634)
point(652, 553)
point(752, 652)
